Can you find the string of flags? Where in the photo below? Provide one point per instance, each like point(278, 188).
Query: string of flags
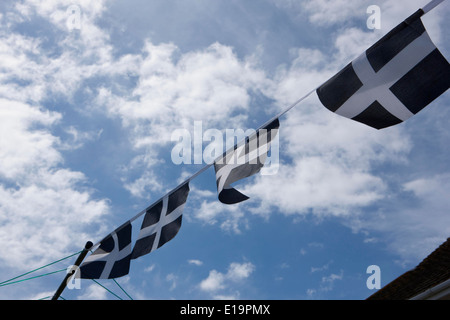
point(390, 82)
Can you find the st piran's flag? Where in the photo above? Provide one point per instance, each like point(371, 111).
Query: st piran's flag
point(391, 81)
point(112, 258)
point(243, 161)
point(161, 223)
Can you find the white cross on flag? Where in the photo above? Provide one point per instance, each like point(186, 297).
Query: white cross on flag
point(161, 222)
point(243, 161)
point(393, 80)
point(112, 258)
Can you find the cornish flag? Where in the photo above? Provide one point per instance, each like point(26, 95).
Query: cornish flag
point(112, 258)
point(393, 80)
point(243, 161)
point(161, 223)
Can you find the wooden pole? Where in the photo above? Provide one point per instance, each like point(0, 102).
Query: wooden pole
point(80, 258)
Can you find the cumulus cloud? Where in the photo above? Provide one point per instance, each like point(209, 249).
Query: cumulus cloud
point(326, 284)
point(325, 151)
point(329, 163)
point(209, 211)
point(217, 282)
point(332, 166)
point(195, 262)
point(94, 292)
point(174, 90)
point(23, 152)
point(43, 207)
point(330, 12)
point(415, 229)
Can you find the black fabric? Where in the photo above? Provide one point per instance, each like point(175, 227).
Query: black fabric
point(377, 117)
point(169, 231)
point(395, 41)
point(425, 82)
point(143, 246)
point(339, 88)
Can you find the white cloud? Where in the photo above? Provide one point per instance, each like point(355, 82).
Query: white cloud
point(330, 12)
point(40, 223)
point(43, 208)
point(41, 295)
point(217, 282)
point(21, 149)
point(173, 90)
point(143, 185)
point(331, 160)
point(326, 284)
point(322, 268)
point(331, 164)
point(338, 13)
point(79, 138)
point(56, 10)
point(150, 268)
point(195, 262)
point(240, 271)
point(351, 42)
point(214, 282)
point(230, 218)
point(316, 185)
point(94, 292)
point(176, 89)
point(415, 229)
point(172, 279)
point(331, 172)
point(53, 66)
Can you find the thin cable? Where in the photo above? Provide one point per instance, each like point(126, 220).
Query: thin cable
point(106, 289)
point(123, 289)
point(39, 276)
point(2, 283)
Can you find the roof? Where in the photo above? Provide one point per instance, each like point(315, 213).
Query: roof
point(432, 271)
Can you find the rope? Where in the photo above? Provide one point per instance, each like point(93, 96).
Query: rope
point(39, 276)
point(42, 275)
point(106, 289)
point(24, 274)
point(10, 281)
point(49, 297)
point(123, 289)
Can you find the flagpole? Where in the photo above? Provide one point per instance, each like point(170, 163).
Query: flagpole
point(80, 258)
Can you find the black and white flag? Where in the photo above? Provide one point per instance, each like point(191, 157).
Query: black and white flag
point(161, 222)
point(243, 161)
point(391, 81)
point(112, 258)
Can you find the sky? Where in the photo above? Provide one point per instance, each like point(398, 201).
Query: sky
point(92, 91)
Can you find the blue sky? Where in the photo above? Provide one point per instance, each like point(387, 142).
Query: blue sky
point(87, 114)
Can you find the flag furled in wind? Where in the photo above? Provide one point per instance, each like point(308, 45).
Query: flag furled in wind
point(112, 258)
point(243, 161)
point(391, 81)
point(161, 222)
